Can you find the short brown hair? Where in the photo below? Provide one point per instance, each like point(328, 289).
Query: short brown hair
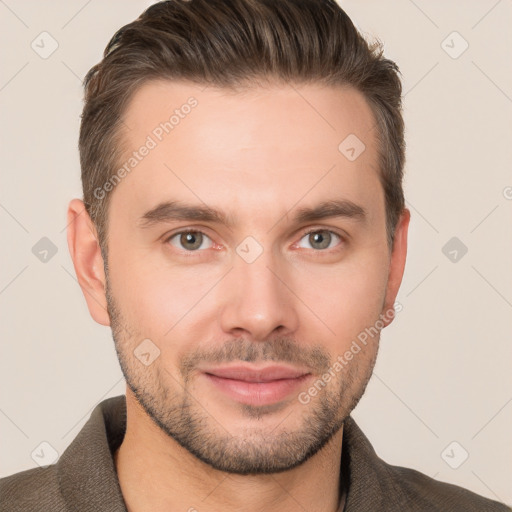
point(232, 44)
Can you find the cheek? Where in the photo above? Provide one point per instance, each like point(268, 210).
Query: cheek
point(156, 299)
point(347, 298)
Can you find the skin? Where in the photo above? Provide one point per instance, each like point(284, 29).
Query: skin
point(257, 156)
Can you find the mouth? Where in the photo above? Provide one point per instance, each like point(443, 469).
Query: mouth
point(256, 386)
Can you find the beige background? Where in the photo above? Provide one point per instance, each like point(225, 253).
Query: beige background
point(443, 372)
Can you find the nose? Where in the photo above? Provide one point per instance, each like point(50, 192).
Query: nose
point(257, 300)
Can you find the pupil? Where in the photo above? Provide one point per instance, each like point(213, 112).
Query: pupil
point(320, 239)
point(191, 239)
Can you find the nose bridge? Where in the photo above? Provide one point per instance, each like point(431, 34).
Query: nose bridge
point(256, 298)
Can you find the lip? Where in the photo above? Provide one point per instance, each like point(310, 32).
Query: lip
point(256, 385)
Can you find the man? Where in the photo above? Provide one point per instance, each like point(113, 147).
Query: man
point(244, 234)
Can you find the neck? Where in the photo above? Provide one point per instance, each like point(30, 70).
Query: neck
point(156, 474)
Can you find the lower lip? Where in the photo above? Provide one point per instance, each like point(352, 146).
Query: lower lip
point(257, 393)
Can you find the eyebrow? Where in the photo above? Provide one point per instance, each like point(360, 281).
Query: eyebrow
point(176, 210)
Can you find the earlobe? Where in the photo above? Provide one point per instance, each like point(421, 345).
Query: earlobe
point(87, 259)
point(396, 266)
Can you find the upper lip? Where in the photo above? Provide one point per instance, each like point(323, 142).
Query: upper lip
point(255, 374)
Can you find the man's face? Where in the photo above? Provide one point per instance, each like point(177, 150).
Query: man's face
point(260, 291)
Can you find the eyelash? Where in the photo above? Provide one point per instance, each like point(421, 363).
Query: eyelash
point(319, 252)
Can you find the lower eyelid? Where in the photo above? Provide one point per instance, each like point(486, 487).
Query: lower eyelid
point(173, 235)
point(340, 237)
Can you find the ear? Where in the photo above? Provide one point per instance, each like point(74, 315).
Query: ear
point(87, 259)
point(396, 266)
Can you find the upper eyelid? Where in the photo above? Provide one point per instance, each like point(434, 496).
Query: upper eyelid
point(343, 238)
point(314, 230)
point(303, 232)
point(186, 230)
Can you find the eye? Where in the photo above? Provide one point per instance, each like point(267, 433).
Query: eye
point(321, 239)
point(190, 240)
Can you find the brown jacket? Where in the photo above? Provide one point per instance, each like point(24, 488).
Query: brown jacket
point(84, 478)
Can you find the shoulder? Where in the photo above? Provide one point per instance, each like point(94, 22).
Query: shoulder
point(375, 485)
point(33, 490)
point(424, 493)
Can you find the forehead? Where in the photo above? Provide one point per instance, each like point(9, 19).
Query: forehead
point(275, 144)
point(319, 113)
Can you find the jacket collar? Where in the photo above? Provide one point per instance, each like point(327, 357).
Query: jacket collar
point(89, 482)
point(86, 471)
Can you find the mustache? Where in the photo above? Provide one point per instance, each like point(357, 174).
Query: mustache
point(280, 350)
